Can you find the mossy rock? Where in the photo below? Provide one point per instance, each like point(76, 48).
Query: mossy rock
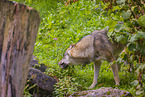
point(103, 92)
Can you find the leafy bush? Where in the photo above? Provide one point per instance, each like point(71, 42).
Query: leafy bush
point(66, 86)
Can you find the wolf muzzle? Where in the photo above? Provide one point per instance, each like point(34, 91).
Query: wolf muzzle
point(62, 64)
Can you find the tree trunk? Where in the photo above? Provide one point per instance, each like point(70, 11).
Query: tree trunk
point(18, 30)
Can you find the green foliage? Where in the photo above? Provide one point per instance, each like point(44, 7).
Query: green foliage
point(139, 88)
point(26, 90)
point(66, 86)
point(62, 25)
point(141, 20)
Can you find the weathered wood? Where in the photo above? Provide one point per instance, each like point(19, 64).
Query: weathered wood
point(18, 30)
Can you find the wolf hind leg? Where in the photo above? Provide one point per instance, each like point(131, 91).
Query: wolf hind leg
point(115, 73)
point(97, 66)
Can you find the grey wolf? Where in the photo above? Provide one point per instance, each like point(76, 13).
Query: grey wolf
point(94, 47)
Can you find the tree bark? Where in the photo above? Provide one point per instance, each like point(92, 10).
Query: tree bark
point(18, 30)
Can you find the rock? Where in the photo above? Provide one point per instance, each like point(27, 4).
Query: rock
point(35, 64)
point(44, 84)
point(102, 92)
point(42, 67)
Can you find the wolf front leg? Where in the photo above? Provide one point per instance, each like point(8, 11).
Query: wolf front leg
point(115, 73)
point(97, 66)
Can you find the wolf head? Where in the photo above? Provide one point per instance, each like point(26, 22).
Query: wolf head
point(67, 58)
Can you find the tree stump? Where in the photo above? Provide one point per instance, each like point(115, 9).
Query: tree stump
point(18, 30)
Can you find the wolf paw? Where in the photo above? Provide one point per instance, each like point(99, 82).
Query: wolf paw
point(92, 86)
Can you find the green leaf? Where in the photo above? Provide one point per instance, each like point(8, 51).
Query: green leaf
point(139, 92)
point(133, 38)
point(141, 34)
point(138, 87)
point(116, 8)
point(126, 15)
point(119, 37)
point(118, 27)
point(135, 82)
point(141, 20)
point(120, 1)
point(143, 77)
point(141, 66)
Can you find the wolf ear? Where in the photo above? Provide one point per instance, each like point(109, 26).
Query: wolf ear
point(69, 50)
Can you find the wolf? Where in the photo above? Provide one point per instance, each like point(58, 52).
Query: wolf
point(94, 47)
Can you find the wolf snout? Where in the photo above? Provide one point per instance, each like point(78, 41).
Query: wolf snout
point(62, 64)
